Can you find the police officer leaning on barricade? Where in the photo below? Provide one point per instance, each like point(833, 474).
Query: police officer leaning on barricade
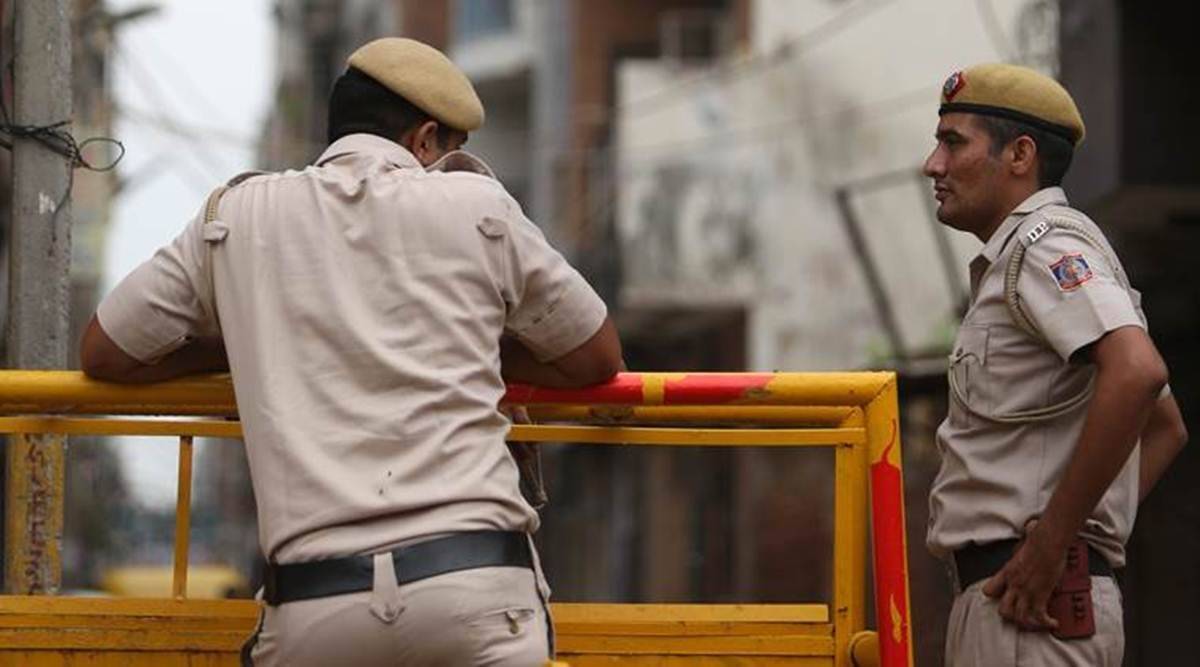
point(1060, 418)
point(370, 308)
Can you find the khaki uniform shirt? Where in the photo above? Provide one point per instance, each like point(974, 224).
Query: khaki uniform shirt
point(362, 301)
point(994, 476)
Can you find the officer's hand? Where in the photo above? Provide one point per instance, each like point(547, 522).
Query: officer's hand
point(529, 461)
point(522, 452)
point(1025, 583)
point(519, 414)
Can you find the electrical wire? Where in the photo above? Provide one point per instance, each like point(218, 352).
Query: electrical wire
point(184, 84)
point(53, 136)
point(58, 139)
point(199, 150)
point(184, 130)
point(61, 141)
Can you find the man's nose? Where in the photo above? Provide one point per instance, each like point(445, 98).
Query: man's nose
point(934, 167)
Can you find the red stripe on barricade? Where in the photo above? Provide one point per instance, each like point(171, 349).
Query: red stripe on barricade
point(626, 389)
point(714, 389)
point(891, 596)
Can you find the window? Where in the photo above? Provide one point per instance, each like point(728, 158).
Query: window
point(694, 35)
point(474, 19)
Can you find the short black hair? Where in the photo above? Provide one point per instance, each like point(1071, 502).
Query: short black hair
point(1054, 152)
point(359, 103)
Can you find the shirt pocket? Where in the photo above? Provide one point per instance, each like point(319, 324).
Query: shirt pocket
point(969, 385)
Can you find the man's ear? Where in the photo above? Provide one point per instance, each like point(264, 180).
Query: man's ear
point(424, 143)
point(1024, 155)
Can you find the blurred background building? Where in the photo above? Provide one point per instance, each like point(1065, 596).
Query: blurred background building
point(1138, 175)
point(740, 180)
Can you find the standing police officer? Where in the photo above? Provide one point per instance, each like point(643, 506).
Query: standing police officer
point(1060, 418)
point(370, 308)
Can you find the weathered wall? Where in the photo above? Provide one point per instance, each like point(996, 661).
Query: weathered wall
point(727, 178)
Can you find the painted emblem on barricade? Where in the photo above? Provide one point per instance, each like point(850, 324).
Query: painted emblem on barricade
point(1071, 271)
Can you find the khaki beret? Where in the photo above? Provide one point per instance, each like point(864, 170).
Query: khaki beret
point(1017, 93)
point(425, 77)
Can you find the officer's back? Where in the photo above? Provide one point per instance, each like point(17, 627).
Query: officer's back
point(368, 299)
point(370, 309)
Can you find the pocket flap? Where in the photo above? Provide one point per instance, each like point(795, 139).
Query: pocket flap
point(493, 228)
point(971, 345)
point(215, 231)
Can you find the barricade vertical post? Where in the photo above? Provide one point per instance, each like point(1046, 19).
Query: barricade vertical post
point(849, 542)
point(892, 606)
point(183, 517)
point(34, 513)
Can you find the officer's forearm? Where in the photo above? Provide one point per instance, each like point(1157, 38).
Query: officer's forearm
point(203, 355)
point(1128, 378)
point(1162, 439)
point(103, 359)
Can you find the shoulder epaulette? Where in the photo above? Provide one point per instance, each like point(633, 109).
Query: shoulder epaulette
point(217, 232)
point(1034, 235)
point(214, 198)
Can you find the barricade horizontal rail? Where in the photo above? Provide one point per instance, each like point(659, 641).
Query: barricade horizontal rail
point(69, 392)
point(855, 413)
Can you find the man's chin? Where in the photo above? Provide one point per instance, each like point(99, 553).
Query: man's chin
point(947, 217)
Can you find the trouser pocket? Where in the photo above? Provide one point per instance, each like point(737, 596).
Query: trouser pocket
point(508, 637)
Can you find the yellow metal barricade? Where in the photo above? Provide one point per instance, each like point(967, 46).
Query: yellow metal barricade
point(854, 413)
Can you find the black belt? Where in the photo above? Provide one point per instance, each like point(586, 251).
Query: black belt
point(980, 561)
point(338, 576)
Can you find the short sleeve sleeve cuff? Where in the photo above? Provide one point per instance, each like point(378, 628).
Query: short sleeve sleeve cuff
point(568, 322)
point(1085, 318)
point(123, 316)
point(159, 306)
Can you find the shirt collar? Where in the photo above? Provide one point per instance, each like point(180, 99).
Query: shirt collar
point(1044, 197)
point(368, 144)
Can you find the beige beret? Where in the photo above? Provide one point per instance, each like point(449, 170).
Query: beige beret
point(1017, 93)
point(424, 76)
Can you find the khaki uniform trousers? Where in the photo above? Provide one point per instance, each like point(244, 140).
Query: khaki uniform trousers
point(978, 637)
point(484, 616)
